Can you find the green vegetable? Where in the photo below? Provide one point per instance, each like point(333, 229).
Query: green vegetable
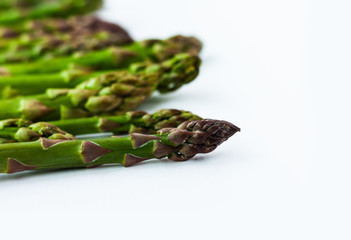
point(110, 58)
point(11, 130)
point(178, 144)
point(106, 94)
point(21, 85)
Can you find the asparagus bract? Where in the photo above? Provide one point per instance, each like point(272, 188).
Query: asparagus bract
point(12, 12)
point(178, 144)
point(106, 94)
point(110, 58)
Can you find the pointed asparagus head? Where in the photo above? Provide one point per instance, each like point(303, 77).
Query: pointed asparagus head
point(164, 118)
point(181, 69)
point(198, 136)
point(165, 49)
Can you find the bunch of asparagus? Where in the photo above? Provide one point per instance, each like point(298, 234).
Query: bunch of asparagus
point(63, 78)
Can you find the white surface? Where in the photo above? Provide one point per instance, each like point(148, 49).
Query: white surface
point(278, 69)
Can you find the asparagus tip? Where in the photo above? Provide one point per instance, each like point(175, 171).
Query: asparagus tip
point(198, 136)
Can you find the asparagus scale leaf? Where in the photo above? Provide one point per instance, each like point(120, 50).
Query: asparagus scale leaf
point(178, 144)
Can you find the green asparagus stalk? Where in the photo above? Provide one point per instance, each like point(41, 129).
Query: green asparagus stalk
point(110, 58)
point(22, 85)
point(58, 37)
point(13, 13)
point(178, 144)
point(19, 130)
point(107, 94)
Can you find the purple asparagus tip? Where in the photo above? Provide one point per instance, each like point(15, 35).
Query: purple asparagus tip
point(198, 136)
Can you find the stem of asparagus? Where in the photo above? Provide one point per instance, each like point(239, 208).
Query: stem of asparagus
point(22, 85)
point(178, 144)
point(131, 122)
point(110, 58)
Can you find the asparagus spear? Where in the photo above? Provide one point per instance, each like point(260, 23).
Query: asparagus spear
point(13, 86)
point(106, 94)
point(178, 144)
point(13, 13)
point(58, 37)
point(110, 58)
point(12, 130)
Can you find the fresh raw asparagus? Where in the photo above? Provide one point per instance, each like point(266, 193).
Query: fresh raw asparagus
point(107, 94)
point(12, 86)
point(178, 144)
point(110, 58)
point(12, 12)
point(130, 122)
point(19, 130)
point(58, 37)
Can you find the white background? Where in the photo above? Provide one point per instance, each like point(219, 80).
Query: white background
point(278, 69)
